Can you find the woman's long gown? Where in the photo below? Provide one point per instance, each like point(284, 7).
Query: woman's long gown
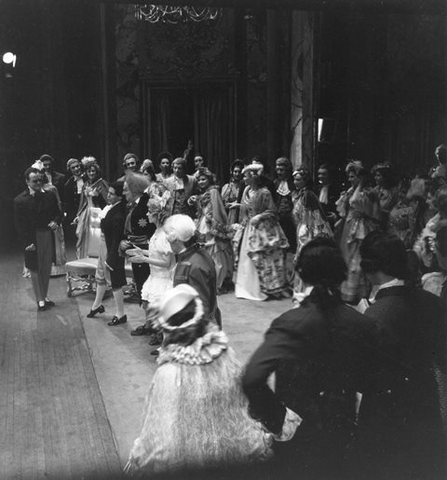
point(262, 260)
point(195, 415)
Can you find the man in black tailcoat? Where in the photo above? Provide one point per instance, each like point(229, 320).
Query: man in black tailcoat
point(37, 214)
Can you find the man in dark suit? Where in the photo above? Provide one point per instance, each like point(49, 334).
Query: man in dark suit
point(328, 192)
point(36, 214)
point(54, 178)
point(400, 418)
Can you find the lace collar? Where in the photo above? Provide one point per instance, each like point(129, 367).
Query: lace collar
point(204, 350)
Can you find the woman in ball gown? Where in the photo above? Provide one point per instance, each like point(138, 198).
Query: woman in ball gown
point(94, 195)
point(261, 271)
point(309, 216)
point(212, 225)
point(360, 210)
point(195, 415)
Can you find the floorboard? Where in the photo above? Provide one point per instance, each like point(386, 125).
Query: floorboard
point(53, 421)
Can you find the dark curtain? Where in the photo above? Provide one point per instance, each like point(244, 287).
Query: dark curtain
point(214, 124)
point(160, 118)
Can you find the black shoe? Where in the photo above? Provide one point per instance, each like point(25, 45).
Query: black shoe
point(141, 330)
point(41, 308)
point(155, 353)
point(92, 313)
point(118, 321)
point(49, 303)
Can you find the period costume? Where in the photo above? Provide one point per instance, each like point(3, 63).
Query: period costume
point(72, 197)
point(196, 268)
point(181, 189)
point(328, 196)
point(112, 229)
point(94, 195)
point(33, 211)
point(212, 224)
point(310, 219)
point(230, 194)
point(138, 230)
point(195, 414)
point(284, 205)
point(360, 211)
point(161, 278)
point(262, 261)
point(320, 359)
point(400, 420)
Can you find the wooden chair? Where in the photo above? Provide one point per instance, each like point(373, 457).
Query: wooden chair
point(82, 271)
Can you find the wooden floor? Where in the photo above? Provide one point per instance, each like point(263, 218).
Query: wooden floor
point(53, 423)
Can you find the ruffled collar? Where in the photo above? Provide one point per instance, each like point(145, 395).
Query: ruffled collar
point(204, 350)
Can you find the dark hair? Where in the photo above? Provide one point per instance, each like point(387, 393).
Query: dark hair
point(188, 335)
point(46, 157)
point(321, 264)
point(388, 174)
point(118, 187)
point(237, 163)
point(162, 155)
point(205, 172)
point(150, 172)
point(29, 171)
point(384, 252)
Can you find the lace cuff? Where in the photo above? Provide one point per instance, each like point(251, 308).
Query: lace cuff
point(291, 422)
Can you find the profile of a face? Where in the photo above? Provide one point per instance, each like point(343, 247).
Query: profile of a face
point(353, 178)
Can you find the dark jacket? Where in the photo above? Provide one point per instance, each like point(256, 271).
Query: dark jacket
point(311, 351)
point(320, 359)
point(400, 416)
point(34, 212)
point(137, 223)
point(334, 191)
point(112, 225)
point(196, 268)
point(71, 198)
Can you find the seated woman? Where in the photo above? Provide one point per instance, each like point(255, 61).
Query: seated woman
point(110, 269)
point(213, 229)
point(195, 415)
point(94, 195)
point(261, 271)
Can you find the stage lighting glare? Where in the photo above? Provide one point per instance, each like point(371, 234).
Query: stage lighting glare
point(9, 58)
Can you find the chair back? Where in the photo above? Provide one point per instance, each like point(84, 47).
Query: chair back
point(94, 232)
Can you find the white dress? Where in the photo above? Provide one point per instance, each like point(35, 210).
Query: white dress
point(161, 278)
point(196, 415)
